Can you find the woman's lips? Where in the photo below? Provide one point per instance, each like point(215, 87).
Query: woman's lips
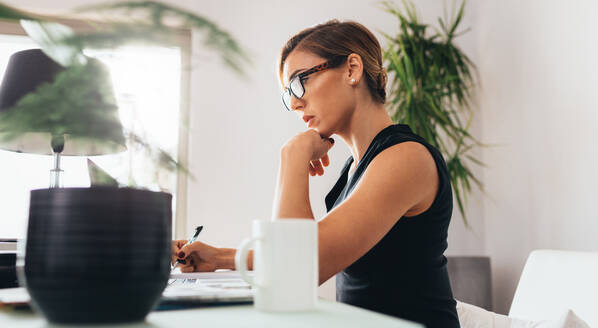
point(308, 119)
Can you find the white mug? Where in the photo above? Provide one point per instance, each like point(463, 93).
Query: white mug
point(285, 264)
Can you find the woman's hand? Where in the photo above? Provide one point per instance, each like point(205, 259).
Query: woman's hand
point(310, 145)
point(176, 248)
point(198, 256)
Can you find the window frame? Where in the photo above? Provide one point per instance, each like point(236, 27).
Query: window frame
point(183, 38)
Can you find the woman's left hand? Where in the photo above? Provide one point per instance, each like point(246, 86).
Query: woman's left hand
point(311, 146)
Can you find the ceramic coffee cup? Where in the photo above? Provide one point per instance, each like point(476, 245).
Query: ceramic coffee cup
point(285, 264)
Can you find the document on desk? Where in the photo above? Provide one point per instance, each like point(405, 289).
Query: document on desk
point(208, 287)
point(228, 274)
point(222, 287)
point(14, 297)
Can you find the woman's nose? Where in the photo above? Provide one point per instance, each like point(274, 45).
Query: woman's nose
point(297, 104)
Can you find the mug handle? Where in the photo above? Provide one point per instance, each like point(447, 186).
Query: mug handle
point(241, 260)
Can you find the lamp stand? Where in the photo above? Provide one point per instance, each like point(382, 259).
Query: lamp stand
point(57, 144)
point(55, 177)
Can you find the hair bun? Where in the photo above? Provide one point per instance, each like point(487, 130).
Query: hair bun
point(382, 77)
point(381, 83)
point(382, 93)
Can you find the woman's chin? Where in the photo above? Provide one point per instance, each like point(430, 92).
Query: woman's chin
point(324, 133)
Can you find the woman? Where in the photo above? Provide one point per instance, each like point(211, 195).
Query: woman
point(388, 214)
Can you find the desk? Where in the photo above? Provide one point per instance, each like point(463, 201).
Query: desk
point(327, 314)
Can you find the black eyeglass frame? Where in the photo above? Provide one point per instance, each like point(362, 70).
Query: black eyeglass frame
point(332, 63)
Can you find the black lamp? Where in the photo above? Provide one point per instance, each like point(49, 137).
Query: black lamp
point(48, 109)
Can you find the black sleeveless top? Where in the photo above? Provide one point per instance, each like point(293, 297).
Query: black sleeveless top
point(404, 274)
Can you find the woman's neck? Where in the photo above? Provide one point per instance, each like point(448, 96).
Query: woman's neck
point(365, 123)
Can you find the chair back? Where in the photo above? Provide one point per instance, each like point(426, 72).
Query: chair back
point(554, 281)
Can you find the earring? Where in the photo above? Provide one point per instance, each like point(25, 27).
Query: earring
point(352, 81)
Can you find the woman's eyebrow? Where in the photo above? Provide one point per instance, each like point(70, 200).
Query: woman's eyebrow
point(296, 72)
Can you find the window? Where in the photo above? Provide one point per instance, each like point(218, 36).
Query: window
point(149, 85)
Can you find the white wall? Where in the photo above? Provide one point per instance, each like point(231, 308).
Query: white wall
point(539, 71)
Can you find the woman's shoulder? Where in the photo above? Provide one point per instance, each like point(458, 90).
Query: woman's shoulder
point(412, 155)
point(400, 138)
point(395, 134)
point(406, 170)
point(407, 162)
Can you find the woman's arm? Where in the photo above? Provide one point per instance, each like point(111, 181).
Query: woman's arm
point(398, 179)
point(291, 198)
point(302, 156)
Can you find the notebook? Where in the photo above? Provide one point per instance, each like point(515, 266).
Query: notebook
point(206, 288)
point(184, 290)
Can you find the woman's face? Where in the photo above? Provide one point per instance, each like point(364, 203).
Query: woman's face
point(329, 99)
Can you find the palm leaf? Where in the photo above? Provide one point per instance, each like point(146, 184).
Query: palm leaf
point(152, 26)
point(431, 89)
point(14, 14)
point(49, 37)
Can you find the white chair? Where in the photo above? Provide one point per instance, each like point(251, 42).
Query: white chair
point(554, 281)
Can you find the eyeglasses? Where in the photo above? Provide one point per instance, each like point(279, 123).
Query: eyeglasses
point(296, 87)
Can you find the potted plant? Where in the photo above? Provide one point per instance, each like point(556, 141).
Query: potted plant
point(99, 254)
point(431, 90)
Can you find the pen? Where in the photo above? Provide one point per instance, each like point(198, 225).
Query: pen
point(191, 240)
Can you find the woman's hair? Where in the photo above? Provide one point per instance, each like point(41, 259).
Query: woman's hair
point(335, 38)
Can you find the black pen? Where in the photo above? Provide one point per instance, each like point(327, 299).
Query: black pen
point(191, 240)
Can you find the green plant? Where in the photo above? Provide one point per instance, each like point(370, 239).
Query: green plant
point(122, 23)
point(431, 88)
point(147, 22)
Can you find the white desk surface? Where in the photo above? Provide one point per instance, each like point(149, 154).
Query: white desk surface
point(327, 314)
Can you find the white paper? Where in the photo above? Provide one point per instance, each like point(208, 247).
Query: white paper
point(14, 295)
point(228, 274)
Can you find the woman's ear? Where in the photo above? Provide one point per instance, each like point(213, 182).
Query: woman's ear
point(355, 69)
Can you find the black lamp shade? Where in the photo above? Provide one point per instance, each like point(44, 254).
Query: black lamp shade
point(78, 101)
point(26, 71)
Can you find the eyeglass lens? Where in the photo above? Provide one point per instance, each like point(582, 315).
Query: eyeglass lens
point(295, 89)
